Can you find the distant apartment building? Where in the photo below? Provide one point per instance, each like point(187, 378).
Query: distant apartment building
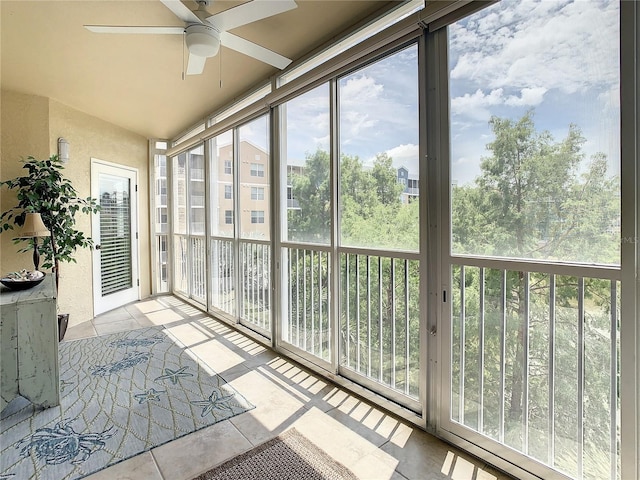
point(254, 191)
point(410, 183)
point(292, 170)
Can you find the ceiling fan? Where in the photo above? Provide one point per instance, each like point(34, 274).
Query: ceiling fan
point(204, 33)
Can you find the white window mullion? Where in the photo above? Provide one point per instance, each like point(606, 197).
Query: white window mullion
point(630, 251)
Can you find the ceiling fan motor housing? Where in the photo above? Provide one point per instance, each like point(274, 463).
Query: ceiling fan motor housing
point(202, 40)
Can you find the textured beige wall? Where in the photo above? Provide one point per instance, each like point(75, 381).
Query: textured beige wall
point(90, 137)
point(25, 131)
point(35, 131)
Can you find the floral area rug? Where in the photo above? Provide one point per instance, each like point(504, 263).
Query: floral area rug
point(121, 394)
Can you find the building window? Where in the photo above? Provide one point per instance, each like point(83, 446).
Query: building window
point(257, 216)
point(162, 216)
point(228, 217)
point(257, 170)
point(227, 167)
point(291, 201)
point(257, 193)
point(228, 191)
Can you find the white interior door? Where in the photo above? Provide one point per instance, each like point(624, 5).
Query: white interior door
point(115, 233)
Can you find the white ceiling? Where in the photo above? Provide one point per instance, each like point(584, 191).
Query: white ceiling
point(135, 81)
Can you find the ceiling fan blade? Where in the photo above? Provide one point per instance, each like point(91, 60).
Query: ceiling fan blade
point(249, 12)
point(181, 11)
point(134, 29)
point(253, 50)
point(195, 65)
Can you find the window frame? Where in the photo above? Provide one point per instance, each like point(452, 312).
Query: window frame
point(257, 217)
point(257, 170)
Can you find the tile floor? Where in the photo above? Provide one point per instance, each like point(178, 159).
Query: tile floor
point(373, 444)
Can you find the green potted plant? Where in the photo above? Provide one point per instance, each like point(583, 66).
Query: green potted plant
point(43, 189)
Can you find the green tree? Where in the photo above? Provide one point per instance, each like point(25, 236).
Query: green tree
point(535, 198)
point(531, 199)
point(377, 334)
point(311, 188)
point(388, 189)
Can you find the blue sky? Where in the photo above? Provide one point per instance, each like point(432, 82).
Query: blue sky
point(378, 113)
point(557, 57)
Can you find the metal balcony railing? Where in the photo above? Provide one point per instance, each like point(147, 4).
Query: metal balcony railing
point(255, 283)
point(379, 319)
point(306, 307)
point(222, 275)
point(197, 269)
point(535, 363)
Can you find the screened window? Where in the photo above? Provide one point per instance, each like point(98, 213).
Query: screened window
point(253, 142)
point(535, 162)
point(254, 252)
point(161, 194)
point(196, 191)
point(535, 137)
point(161, 225)
point(221, 266)
point(179, 182)
point(308, 189)
point(221, 185)
point(376, 144)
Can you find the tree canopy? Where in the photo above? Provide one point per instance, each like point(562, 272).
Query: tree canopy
point(537, 198)
point(372, 213)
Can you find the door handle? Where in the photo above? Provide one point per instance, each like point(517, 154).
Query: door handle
point(98, 247)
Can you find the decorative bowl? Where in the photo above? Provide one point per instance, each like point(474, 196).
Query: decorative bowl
point(22, 283)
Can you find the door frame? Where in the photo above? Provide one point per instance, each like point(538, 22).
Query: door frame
point(131, 172)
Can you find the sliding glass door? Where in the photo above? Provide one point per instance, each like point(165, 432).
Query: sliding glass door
point(253, 213)
point(350, 250)
point(379, 251)
point(306, 213)
point(534, 260)
point(189, 252)
point(239, 216)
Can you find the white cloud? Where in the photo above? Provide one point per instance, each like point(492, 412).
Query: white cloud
point(560, 56)
point(529, 97)
point(322, 142)
point(538, 44)
point(360, 100)
point(360, 89)
point(476, 105)
point(405, 155)
point(611, 98)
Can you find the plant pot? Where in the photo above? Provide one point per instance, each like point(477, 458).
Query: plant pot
point(63, 323)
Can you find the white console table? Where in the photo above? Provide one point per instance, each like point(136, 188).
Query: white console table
point(29, 345)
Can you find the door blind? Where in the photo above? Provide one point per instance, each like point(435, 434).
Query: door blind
point(115, 240)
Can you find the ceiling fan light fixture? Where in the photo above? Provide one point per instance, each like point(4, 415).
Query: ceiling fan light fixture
point(202, 40)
